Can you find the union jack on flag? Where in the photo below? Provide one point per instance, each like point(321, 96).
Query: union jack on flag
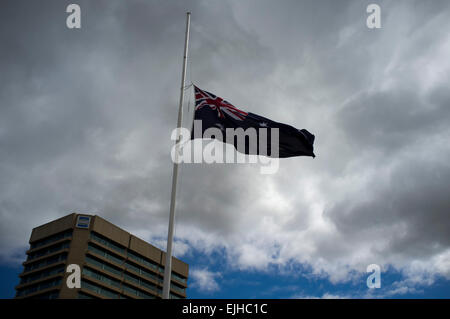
point(206, 99)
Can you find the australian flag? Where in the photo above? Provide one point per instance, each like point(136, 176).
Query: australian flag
point(215, 112)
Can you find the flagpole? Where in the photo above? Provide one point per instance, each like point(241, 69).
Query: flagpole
point(168, 264)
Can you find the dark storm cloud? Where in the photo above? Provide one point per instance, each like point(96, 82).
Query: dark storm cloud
point(87, 114)
point(392, 120)
point(416, 197)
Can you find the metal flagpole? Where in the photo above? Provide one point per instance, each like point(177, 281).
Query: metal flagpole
point(168, 264)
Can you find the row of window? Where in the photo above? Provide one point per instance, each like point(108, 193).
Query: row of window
point(100, 277)
point(109, 293)
point(105, 254)
point(138, 281)
point(45, 262)
point(108, 243)
point(131, 278)
point(145, 261)
point(104, 266)
point(99, 289)
point(142, 271)
point(134, 256)
point(94, 274)
point(179, 278)
point(48, 250)
point(82, 295)
point(137, 292)
point(50, 239)
point(39, 286)
point(145, 273)
point(177, 288)
point(42, 274)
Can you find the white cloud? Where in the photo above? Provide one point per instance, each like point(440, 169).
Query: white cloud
point(204, 280)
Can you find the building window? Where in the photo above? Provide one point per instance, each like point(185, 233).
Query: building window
point(133, 267)
point(137, 292)
point(37, 287)
point(45, 262)
point(102, 252)
point(143, 272)
point(48, 250)
point(98, 289)
point(100, 277)
point(140, 282)
point(42, 274)
point(100, 264)
point(177, 288)
point(148, 274)
point(179, 278)
point(144, 261)
point(107, 242)
point(50, 239)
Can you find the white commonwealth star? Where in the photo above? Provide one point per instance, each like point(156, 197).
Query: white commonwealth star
point(263, 124)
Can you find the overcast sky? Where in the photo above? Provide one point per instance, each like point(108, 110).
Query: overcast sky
point(86, 117)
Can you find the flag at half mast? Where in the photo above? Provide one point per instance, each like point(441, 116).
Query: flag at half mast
point(215, 112)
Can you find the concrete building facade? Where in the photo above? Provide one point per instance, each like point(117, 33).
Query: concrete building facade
point(113, 263)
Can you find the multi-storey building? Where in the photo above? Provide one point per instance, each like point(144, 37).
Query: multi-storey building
point(113, 263)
